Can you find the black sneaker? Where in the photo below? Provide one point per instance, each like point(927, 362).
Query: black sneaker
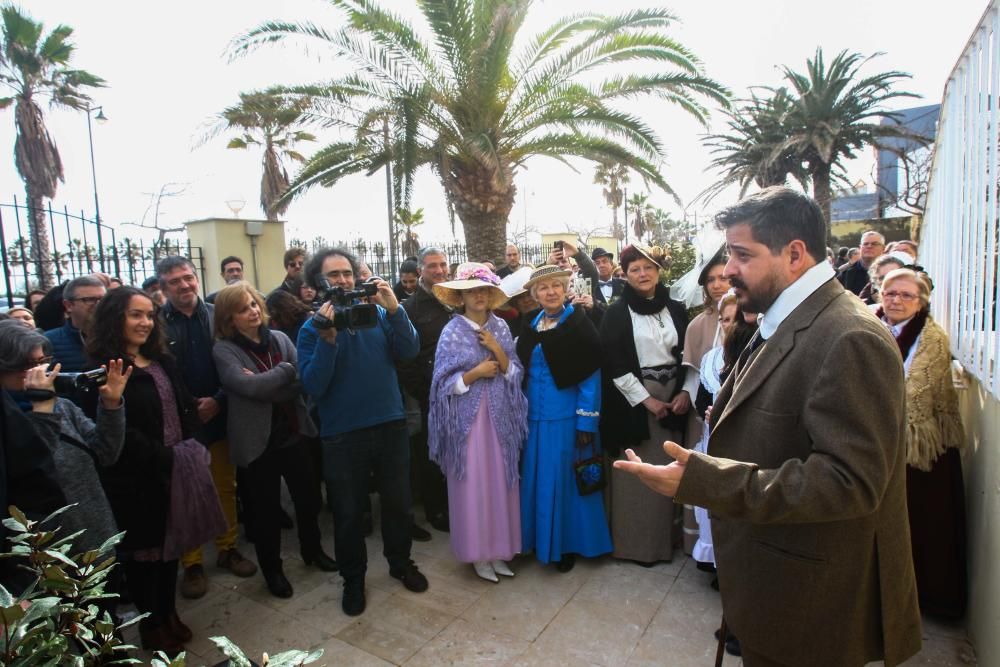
point(418, 534)
point(439, 522)
point(412, 578)
point(353, 603)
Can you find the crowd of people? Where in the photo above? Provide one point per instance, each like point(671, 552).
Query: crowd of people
point(526, 408)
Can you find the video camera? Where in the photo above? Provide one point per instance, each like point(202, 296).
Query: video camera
point(67, 384)
point(346, 313)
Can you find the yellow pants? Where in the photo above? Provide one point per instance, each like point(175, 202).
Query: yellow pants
point(224, 476)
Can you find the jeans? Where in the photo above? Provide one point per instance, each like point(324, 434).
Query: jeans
point(349, 459)
point(261, 491)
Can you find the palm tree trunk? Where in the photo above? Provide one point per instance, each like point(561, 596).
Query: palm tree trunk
point(485, 235)
point(821, 191)
point(40, 244)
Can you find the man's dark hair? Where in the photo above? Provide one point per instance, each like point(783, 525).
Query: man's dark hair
point(229, 260)
point(292, 254)
point(172, 262)
point(106, 336)
point(313, 270)
point(777, 216)
point(408, 266)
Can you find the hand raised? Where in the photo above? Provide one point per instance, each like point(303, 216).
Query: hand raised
point(111, 391)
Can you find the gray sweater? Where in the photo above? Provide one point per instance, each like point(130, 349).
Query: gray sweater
point(76, 469)
point(252, 397)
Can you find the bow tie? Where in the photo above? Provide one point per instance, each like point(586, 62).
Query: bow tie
point(605, 283)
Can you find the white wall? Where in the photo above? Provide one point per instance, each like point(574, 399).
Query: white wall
point(981, 415)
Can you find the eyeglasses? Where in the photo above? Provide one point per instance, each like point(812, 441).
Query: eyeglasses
point(89, 300)
point(902, 296)
point(43, 361)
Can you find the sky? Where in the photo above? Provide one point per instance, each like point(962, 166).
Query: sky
point(168, 74)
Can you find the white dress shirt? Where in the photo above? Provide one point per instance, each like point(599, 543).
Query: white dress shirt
point(653, 345)
point(792, 297)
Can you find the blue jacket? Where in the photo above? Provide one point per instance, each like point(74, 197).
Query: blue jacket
point(353, 381)
point(67, 347)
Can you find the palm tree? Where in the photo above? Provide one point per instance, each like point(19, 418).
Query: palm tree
point(835, 112)
point(478, 99)
point(642, 214)
point(270, 120)
point(612, 175)
point(34, 66)
point(409, 220)
point(753, 150)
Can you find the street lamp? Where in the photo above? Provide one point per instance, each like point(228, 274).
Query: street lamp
point(100, 118)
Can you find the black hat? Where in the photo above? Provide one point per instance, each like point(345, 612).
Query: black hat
point(601, 252)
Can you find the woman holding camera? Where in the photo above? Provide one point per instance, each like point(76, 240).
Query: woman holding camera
point(161, 413)
point(269, 428)
point(647, 397)
point(561, 351)
point(78, 445)
point(477, 422)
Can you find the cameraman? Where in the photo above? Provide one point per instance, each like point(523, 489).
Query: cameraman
point(351, 376)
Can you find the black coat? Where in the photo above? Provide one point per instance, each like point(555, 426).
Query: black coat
point(429, 317)
point(854, 278)
point(617, 285)
point(138, 485)
point(621, 424)
point(27, 480)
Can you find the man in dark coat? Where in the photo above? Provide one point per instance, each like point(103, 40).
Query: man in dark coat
point(855, 277)
point(190, 330)
point(429, 316)
point(610, 288)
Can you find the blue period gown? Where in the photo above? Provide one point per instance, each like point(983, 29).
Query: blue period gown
point(555, 518)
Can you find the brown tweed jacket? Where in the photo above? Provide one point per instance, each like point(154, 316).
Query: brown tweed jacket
point(805, 483)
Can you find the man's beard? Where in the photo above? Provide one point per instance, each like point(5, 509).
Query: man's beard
point(761, 297)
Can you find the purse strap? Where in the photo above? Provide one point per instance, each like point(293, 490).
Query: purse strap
point(69, 440)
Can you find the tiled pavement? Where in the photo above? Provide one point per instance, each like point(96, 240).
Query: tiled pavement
point(603, 612)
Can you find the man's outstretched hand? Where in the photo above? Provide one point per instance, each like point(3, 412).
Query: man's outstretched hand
point(663, 479)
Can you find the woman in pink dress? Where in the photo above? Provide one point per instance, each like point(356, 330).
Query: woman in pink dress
point(478, 422)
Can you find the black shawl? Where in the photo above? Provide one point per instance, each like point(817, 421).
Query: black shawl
point(621, 424)
point(572, 350)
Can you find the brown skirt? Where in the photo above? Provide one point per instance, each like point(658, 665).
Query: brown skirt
point(645, 526)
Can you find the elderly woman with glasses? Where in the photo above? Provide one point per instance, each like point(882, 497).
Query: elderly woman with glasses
point(561, 351)
point(934, 485)
point(79, 446)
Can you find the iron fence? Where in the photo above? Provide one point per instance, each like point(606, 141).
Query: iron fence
point(79, 246)
point(376, 255)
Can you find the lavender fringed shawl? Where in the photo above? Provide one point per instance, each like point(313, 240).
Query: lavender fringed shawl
point(451, 415)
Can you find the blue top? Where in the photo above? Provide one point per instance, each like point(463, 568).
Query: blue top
point(354, 380)
point(67, 347)
point(547, 402)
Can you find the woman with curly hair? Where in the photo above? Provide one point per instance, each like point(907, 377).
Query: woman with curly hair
point(160, 413)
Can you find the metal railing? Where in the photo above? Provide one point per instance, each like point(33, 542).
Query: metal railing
point(79, 245)
point(959, 240)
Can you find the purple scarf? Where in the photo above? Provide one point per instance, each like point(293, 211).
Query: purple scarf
point(451, 415)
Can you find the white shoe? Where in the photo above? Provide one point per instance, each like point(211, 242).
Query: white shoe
point(485, 571)
point(502, 568)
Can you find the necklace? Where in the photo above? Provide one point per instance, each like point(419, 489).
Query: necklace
point(659, 319)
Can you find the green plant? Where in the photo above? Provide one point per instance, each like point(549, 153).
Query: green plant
point(57, 621)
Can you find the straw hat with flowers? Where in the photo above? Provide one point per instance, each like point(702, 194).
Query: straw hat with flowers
point(471, 275)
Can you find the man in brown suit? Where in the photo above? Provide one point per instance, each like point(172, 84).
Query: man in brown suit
point(805, 476)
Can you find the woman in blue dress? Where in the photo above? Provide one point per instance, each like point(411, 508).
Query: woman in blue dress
point(561, 350)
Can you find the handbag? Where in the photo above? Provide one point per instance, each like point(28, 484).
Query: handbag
point(195, 514)
point(589, 472)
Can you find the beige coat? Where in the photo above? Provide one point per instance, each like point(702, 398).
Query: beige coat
point(806, 488)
